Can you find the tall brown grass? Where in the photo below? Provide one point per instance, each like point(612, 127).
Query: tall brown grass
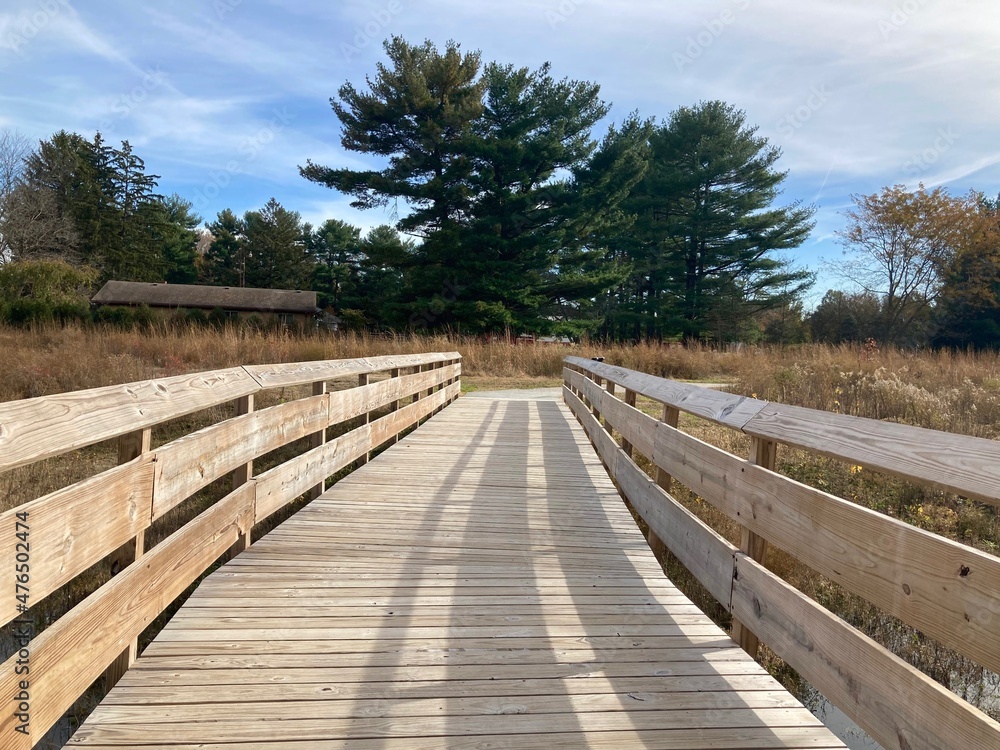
point(956, 391)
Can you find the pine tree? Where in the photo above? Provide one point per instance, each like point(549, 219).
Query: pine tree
point(706, 232)
point(276, 255)
point(499, 171)
point(133, 251)
point(178, 239)
point(225, 260)
point(335, 246)
point(107, 197)
point(417, 114)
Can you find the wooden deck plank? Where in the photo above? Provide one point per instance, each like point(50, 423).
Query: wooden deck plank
point(480, 584)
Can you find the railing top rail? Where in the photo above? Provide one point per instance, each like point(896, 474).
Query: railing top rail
point(38, 428)
point(968, 466)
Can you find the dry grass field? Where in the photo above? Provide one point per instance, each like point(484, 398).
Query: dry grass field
point(957, 392)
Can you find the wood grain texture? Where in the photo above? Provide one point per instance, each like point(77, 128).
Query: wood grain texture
point(189, 463)
point(965, 465)
point(724, 408)
point(896, 704)
point(302, 373)
point(945, 589)
point(699, 548)
point(388, 427)
point(279, 486)
point(478, 584)
point(285, 482)
point(130, 446)
point(744, 738)
point(763, 453)
point(75, 527)
point(68, 656)
point(317, 439)
point(37, 428)
point(367, 397)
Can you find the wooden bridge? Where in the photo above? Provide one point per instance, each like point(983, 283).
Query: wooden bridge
point(477, 584)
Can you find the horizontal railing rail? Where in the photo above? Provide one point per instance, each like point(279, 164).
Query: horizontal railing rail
point(63, 534)
point(947, 590)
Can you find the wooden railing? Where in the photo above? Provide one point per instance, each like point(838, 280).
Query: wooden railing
point(947, 590)
point(47, 542)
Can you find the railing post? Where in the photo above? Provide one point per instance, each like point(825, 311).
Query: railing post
point(416, 395)
point(762, 453)
point(317, 439)
point(394, 405)
point(671, 417)
point(241, 475)
point(130, 446)
point(610, 388)
point(430, 367)
point(363, 380)
point(593, 407)
point(436, 388)
point(629, 401)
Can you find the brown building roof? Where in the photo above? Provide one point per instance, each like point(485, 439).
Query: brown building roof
point(206, 297)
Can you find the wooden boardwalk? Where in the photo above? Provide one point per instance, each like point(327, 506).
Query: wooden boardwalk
point(479, 585)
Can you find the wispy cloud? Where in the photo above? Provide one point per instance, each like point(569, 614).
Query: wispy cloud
point(197, 89)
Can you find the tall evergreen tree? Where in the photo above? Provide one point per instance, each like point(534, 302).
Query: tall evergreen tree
point(59, 188)
point(276, 255)
point(383, 259)
point(133, 250)
point(178, 239)
point(706, 230)
point(335, 247)
point(416, 114)
point(225, 262)
point(106, 196)
point(499, 171)
point(533, 134)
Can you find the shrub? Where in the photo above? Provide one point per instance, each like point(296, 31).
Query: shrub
point(71, 312)
point(116, 317)
point(25, 312)
point(196, 317)
point(53, 282)
point(218, 318)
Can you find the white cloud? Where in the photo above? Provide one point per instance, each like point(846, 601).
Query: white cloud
point(889, 90)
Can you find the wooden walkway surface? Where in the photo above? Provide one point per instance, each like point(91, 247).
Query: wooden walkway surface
point(479, 585)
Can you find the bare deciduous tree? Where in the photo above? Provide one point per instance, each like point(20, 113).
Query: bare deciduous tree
point(14, 149)
point(898, 244)
point(31, 225)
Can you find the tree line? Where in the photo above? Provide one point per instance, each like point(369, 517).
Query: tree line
point(924, 267)
point(519, 216)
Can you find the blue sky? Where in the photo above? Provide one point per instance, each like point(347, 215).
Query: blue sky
point(225, 98)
